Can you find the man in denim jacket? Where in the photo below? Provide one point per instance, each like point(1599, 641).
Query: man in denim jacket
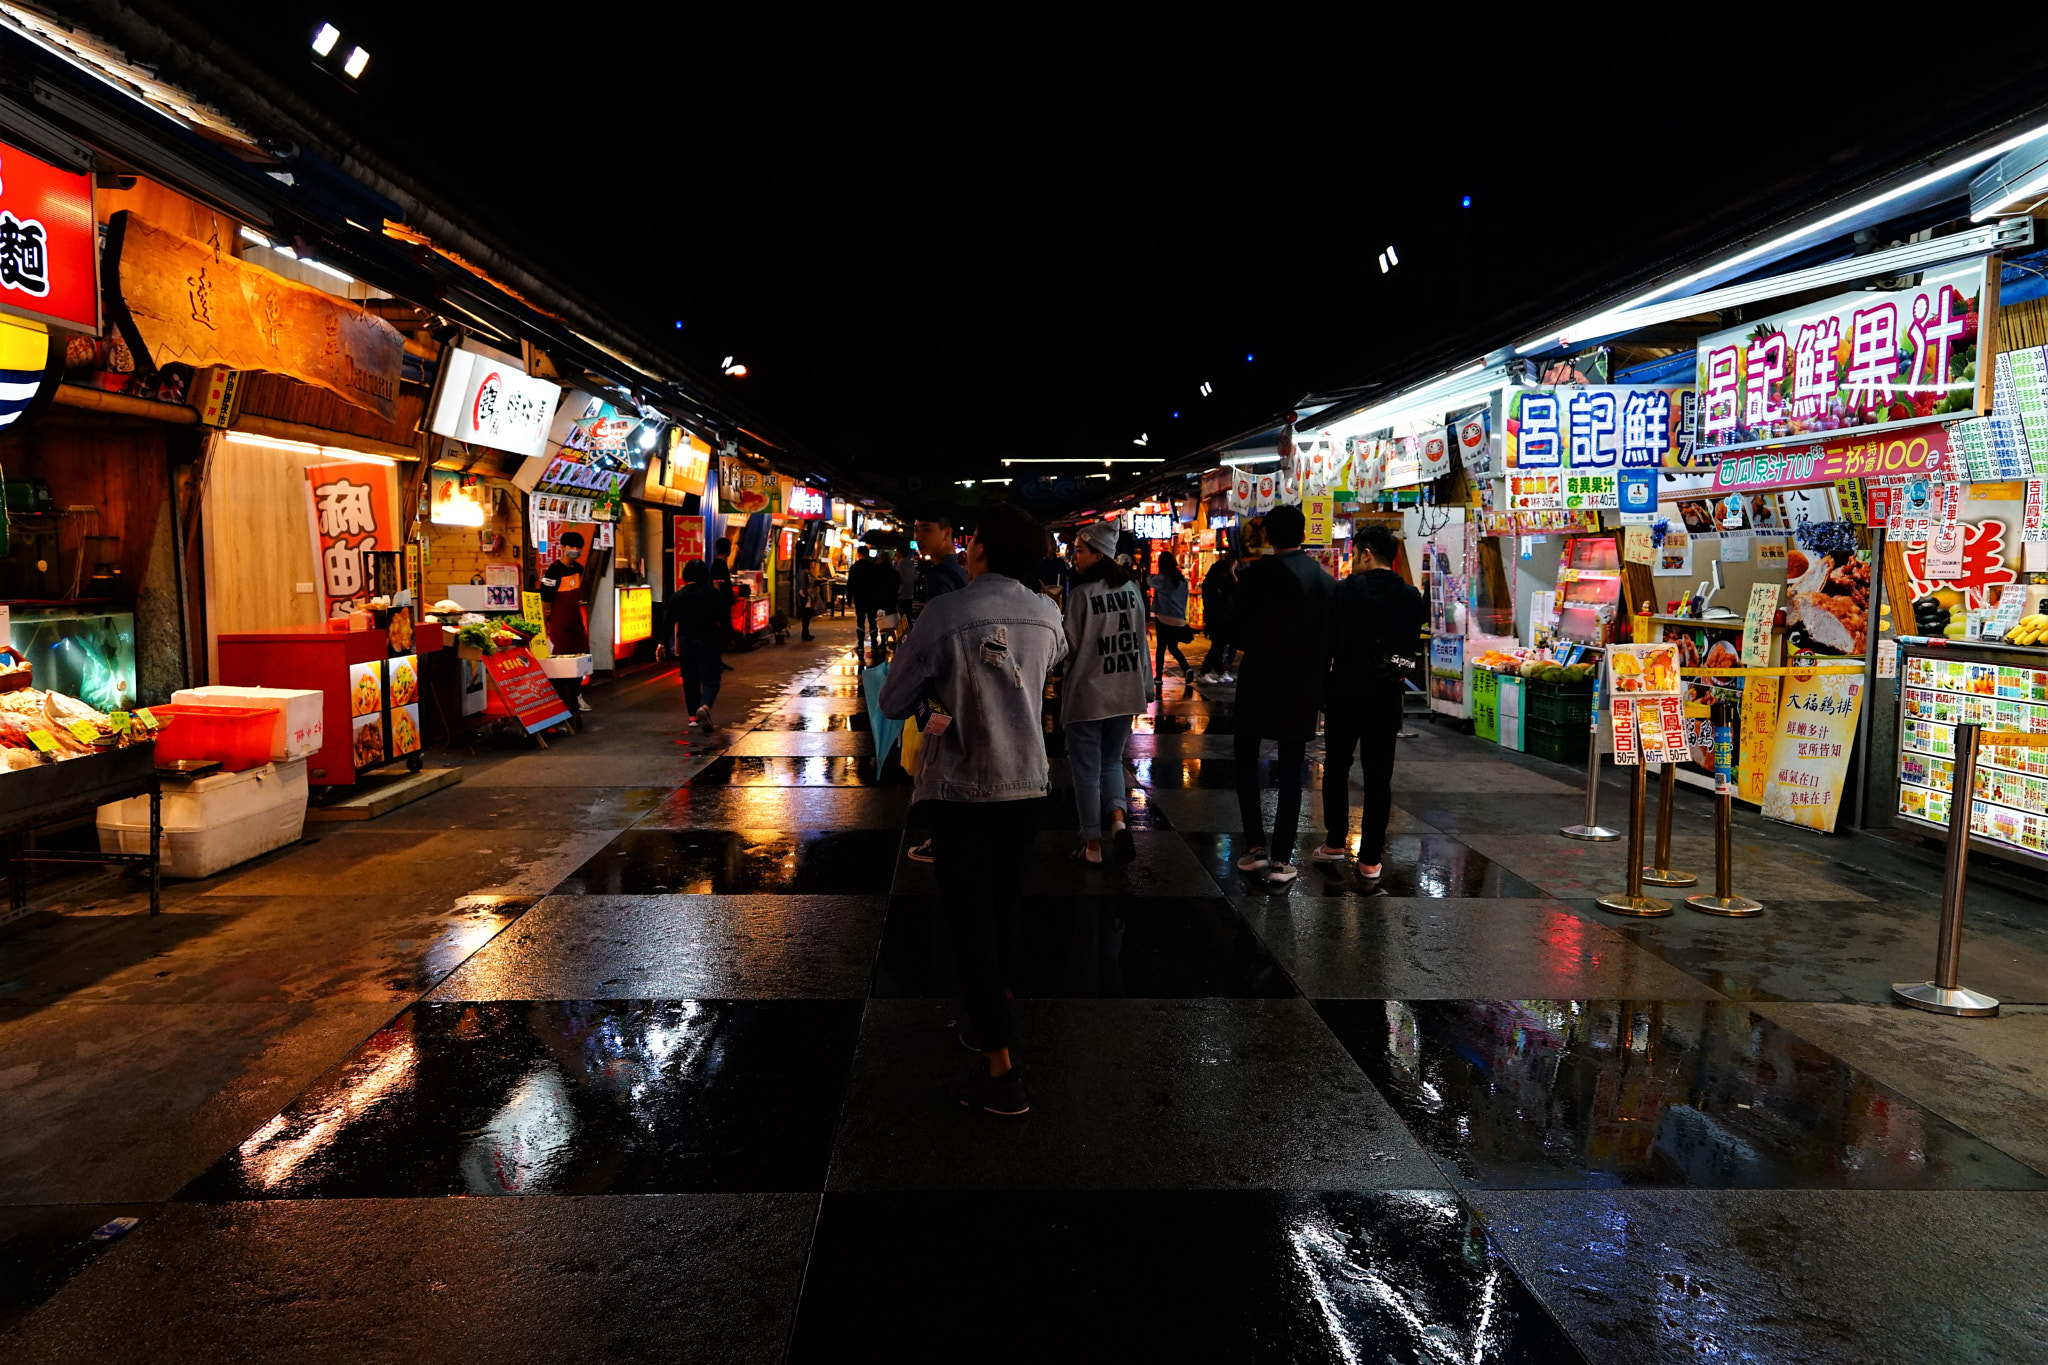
point(982, 653)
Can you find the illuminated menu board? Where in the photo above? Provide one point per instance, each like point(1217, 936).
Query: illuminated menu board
point(2010, 805)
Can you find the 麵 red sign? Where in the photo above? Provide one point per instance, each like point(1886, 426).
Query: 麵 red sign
point(527, 692)
point(1909, 453)
point(49, 258)
point(353, 506)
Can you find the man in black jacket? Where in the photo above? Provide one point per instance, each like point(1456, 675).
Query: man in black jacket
point(1375, 630)
point(1281, 628)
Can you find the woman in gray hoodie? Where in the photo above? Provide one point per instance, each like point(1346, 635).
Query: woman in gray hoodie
point(1108, 681)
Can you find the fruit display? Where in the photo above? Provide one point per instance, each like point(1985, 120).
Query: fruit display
point(1537, 665)
point(1931, 616)
point(2032, 630)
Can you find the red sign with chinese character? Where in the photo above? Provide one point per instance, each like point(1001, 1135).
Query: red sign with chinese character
point(353, 507)
point(49, 251)
point(689, 544)
point(1916, 452)
point(527, 692)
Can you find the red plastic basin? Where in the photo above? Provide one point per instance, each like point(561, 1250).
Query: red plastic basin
point(237, 736)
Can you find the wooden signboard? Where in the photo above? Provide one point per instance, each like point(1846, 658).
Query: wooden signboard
point(526, 691)
point(193, 303)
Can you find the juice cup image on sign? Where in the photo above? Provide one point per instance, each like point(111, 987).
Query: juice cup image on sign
point(1645, 670)
point(365, 689)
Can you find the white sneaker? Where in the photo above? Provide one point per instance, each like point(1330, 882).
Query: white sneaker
point(1254, 861)
point(583, 703)
point(1210, 678)
point(704, 717)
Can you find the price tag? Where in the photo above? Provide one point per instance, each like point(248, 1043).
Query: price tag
point(43, 740)
point(148, 719)
point(120, 720)
point(84, 731)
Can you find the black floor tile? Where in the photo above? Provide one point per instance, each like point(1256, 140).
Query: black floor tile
point(562, 1097)
point(1531, 1094)
point(793, 808)
point(1175, 772)
point(818, 770)
point(43, 1247)
point(1057, 810)
point(716, 862)
point(1432, 865)
point(1090, 946)
point(1233, 1275)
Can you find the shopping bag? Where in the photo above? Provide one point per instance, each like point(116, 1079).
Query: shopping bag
point(884, 730)
point(885, 621)
point(913, 749)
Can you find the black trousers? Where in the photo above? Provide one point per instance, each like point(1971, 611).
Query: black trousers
point(980, 849)
point(864, 622)
point(1367, 725)
point(1244, 750)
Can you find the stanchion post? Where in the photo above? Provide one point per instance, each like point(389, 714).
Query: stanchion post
point(1635, 902)
point(1946, 994)
point(1591, 830)
point(1724, 901)
point(1660, 872)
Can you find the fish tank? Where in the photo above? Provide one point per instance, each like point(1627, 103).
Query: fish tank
point(87, 655)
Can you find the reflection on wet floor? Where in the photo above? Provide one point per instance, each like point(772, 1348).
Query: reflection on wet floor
point(1407, 1276)
point(1530, 1094)
point(1057, 810)
point(1429, 865)
point(562, 1097)
point(845, 689)
point(853, 862)
point(1090, 947)
point(810, 719)
point(1158, 771)
point(815, 770)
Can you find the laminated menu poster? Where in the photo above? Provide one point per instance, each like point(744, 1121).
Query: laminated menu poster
point(2010, 797)
point(1810, 755)
point(527, 691)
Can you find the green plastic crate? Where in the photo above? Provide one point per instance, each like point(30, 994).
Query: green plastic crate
point(1556, 742)
point(1569, 705)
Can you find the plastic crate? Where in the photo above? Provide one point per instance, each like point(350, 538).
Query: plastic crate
point(1570, 704)
point(237, 736)
point(1558, 743)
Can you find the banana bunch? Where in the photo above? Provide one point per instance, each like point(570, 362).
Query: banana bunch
point(2032, 630)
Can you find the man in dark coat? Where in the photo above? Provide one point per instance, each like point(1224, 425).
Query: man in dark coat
point(1375, 638)
point(1281, 629)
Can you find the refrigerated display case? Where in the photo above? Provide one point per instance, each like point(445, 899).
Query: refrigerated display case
point(87, 655)
point(1589, 590)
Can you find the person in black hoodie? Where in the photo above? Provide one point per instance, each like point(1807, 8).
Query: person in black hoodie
point(1375, 631)
point(700, 620)
point(1281, 628)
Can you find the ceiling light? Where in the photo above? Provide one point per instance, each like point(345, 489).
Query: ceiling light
point(1247, 357)
point(1466, 202)
point(325, 39)
point(1207, 388)
point(1142, 439)
point(357, 60)
point(736, 370)
point(1236, 460)
point(1393, 256)
point(1383, 263)
point(725, 364)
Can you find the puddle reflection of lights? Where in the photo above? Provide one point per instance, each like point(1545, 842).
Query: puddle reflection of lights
point(270, 1163)
point(520, 1146)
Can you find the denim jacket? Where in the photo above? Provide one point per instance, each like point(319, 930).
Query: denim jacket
point(982, 652)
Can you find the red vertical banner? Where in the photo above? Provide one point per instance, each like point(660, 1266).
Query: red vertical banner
point(689, 544)
point(354, 507)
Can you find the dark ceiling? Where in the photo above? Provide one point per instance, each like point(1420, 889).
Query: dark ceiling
point(937, 245)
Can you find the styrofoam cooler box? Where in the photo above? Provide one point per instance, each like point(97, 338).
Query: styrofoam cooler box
point(566, 665)
point(214, 822)
point(300, 731)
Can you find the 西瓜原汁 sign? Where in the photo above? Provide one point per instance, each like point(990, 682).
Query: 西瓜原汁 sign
point(192, 303)
point(49, 249)
point(1601, 429)
point(1917, 452)
point(490, 402)
point(1851, 362)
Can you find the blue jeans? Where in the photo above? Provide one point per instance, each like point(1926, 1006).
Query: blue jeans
point(703, 669)
point(1095, 751)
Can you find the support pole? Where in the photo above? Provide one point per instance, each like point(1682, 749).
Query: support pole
point(1591, 830)
point(1635, 902)
point(1945, 994)
point(1724, 901)
point(1660, 872)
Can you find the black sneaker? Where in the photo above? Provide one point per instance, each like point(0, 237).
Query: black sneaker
point(974, 1088)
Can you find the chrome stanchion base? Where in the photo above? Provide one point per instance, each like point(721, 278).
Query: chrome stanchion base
point(1925, 995)
point(1734, 907)
point(1643, 907)
point(1664, 876)
point(1592, 834)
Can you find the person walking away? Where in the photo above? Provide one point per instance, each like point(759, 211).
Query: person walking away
point(1170, 616)
point(1376, 623)
point(1108, 681)
point(809, 587)
point(1282, 606)
point(982, 653)
point(867, 602)
point(561, 595)
point(906, 586)
point(700, 622)
point(1219, 587)
point(721, 583)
